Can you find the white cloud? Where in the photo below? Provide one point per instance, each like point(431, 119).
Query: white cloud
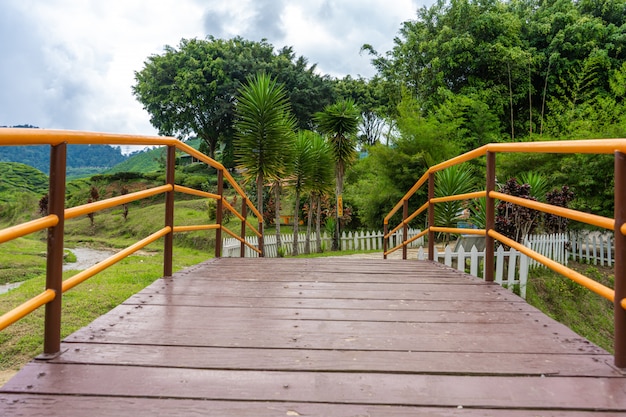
point(70, 64)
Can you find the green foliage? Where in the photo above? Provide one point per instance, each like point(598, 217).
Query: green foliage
point(339, 122)
point(190, 89)
point(457, 179)
point(532, 67)
point(264, 131)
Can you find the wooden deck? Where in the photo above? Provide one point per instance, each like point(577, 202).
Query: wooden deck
point(321, 337)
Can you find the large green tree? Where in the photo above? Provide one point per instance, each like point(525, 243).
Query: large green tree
point(339, 122)
point(191, 89)
point(264, 131)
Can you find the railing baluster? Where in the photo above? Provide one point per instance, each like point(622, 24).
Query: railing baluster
point(405, 228)
point(218, 213)
point(431, 216)
point(244, 213)
point(620, 260)
point(168, 249)
point(54, 263)
point(490, 221)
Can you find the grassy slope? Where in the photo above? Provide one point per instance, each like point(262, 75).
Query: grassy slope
point(586, 313)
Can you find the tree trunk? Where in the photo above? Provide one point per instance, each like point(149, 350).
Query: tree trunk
point(307, 243)
point(318, 223)
point(259, 195)
point(508, 66)
point(339, 171)
point(279, 242)
point(543, 101)
point(296, 219)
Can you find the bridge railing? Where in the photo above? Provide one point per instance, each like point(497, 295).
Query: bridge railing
point(617, 147)
point(58, 140)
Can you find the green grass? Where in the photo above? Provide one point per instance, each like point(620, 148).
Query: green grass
point(22, 341)
point(586, 313)
point(22, 259)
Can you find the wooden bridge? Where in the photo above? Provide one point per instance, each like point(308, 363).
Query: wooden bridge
point(328, 337)
point(321, 337)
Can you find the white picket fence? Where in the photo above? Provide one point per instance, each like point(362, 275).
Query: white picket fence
point(354, 241)
point(597, 249)
point(553, 246)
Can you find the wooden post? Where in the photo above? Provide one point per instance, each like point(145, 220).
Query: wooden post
point(261, 242)
point(168, 247)
point(431, 216)
point(490, 222)
point(244, 213)
point(385, 245)
point(620, 261)
point(218, 213)
point(405, 228)
point(54, 261)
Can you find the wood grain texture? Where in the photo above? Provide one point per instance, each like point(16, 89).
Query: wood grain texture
point(340, 337)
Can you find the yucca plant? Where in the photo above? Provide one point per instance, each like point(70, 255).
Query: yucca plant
point(264, 131)
point(454, 180)
point(340, 123)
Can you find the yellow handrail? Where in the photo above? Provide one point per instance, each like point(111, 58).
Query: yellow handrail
point(24, 229)
point(56, 138)
point(598, 146)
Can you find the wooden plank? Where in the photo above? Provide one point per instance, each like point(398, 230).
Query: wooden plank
point(129, 313)
point(73, 406)
point(336, 387)
point(491, 363)
point(462, 304)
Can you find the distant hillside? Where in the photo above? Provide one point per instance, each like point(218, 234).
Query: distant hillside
point(16, 178)
point(78, 156)
point(148, 160)
point(81, 159)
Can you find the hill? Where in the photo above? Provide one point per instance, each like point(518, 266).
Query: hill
point(17, 179)
point(82, 160)
point(147, 160)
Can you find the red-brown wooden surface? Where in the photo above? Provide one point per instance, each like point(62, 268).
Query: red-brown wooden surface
point(326, 337)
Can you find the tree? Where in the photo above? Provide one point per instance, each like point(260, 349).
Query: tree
point(340, 122)
point(264, 131)
point(321, 178)
point(191, 89)
point(303, 160)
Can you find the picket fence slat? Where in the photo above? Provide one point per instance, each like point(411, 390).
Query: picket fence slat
point(370, 240)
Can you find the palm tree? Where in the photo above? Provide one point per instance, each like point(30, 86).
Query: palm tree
point(264, 130)
point(321, 183)
point(340, 123)
point(301, 176)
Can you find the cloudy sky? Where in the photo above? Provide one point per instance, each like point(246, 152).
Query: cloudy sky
point(69, 64)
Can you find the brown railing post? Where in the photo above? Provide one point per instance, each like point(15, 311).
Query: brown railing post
point(168, 250)
point(405, 228)
point(385, 240)
point(620, 260)
point(261, 244)
point(54, 262)
point(244, 213)
point(218, 213)
point(431, 216)
point(490, 217)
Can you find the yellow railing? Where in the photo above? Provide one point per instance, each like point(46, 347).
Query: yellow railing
point(58, 213)
point(618, 224)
